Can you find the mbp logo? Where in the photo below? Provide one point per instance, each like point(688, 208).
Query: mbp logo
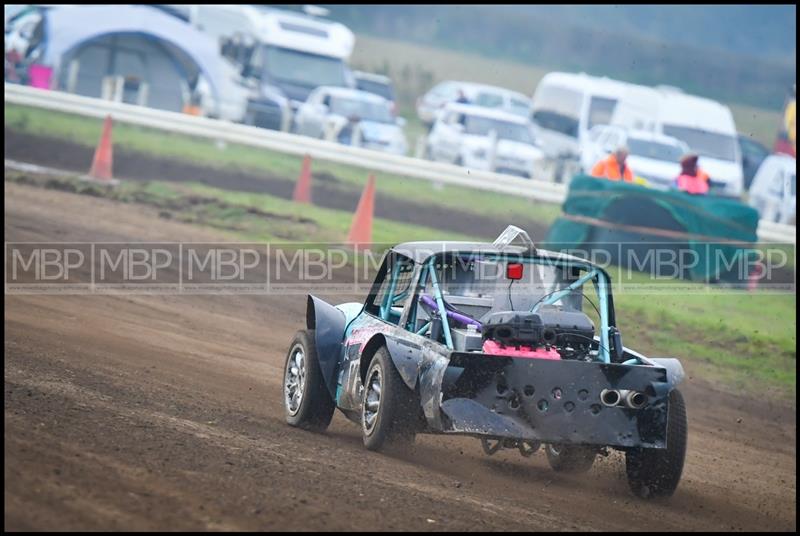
point(133, 264)
point(218, 267)
point(136, 266)
point(40, 265)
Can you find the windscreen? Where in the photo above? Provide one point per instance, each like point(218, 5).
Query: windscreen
point(378, 88)
point(368, 111)
point(557, 109)
point(506, 130)
point(482, 286)
point(705, 143)
point(303, 68)
point(654, 150)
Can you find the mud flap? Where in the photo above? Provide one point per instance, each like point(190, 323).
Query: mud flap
point(328, 324)
point(407, 359)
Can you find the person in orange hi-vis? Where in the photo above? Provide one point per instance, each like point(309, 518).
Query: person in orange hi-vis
point(613, 167)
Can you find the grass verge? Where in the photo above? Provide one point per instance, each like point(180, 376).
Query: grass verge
point(86, 131)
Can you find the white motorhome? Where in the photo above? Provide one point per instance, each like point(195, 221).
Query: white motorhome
point(566, 106)
point(283, 55)
point(707, 127)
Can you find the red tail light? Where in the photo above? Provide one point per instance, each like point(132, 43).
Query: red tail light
point(514, 271)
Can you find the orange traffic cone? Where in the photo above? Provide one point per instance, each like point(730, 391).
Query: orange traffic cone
point(302, 191)
point(101, 165)
point(361, 228)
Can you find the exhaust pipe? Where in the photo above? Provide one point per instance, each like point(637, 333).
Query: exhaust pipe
point(610, 397)
point(635, 399)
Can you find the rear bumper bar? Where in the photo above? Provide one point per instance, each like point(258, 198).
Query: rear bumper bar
point(552, 401)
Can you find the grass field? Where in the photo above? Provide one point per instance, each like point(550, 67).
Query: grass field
point(737, 339)
point(86, 131)
point(416, 68)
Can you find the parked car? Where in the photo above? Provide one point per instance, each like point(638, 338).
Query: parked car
point(707, 127)
point(463, 136)
point(774, 189)
point(653, 157)
point(378, 84)
point(351, 117)
point(445, 343)
point(478, 94)
point(753, 154)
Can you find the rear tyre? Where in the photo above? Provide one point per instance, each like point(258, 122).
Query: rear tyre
point(307, 402)
point(388, 407)
point(656, 472)
point(570, 458)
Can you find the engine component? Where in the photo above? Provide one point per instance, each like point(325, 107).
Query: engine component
point(571, 332)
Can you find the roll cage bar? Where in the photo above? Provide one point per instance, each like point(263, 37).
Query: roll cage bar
point(427, 268)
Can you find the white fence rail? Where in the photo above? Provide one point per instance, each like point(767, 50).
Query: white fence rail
point(284, 142)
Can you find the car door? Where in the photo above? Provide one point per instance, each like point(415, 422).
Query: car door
point(301, 116)
point(450, 145)
point(383, 309)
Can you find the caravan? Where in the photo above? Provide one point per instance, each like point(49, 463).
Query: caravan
point(566, 106)
point(282, 55)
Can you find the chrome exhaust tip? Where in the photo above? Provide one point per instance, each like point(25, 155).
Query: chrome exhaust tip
point(610, 397)
point(635, 399)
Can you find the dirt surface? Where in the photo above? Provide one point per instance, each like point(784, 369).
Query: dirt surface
point(328, 192)
point(147, 412)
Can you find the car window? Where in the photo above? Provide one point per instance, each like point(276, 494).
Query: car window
point(366, 110)
point(752, 149)
point(489, 100)
point(601, 110)
point(391, 288)
point(506, 130)
point(704, 142)
point(378, 88)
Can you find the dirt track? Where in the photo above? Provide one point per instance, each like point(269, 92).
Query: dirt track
point(145, 412)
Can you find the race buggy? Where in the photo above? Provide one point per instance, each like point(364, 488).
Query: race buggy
point(491, 341)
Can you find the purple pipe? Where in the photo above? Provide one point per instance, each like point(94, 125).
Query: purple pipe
point(458, 317)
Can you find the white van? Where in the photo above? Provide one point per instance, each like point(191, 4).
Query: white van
point(566, 106)
point(707, 127)
point(283, 54)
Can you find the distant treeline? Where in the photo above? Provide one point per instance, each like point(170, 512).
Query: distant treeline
point(609, 50)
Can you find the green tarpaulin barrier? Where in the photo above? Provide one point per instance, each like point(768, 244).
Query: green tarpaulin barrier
point(715, 235)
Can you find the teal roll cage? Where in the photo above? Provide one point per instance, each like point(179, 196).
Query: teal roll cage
point(598, 277)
